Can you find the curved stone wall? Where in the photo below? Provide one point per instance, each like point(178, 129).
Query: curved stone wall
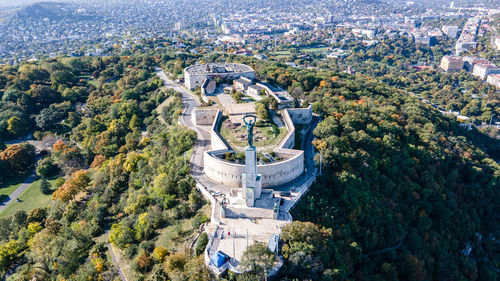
point(273, 174)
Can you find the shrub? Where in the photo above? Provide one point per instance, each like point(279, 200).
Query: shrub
point(202, 243)
point(159, 254)
point(45, 187)
point(199, 219)
point(131, 251)
point(144, 262)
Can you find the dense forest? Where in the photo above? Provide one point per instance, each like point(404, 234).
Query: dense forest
point(118, 171)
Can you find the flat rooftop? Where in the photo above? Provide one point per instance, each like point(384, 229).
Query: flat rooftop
point(238, 110)
point(241, 108)
point(225, 100)
point(218, 68)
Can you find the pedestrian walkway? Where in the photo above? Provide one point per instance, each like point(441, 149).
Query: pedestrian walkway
point(16, 193)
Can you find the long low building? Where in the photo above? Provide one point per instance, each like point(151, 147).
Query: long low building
point(195, 75)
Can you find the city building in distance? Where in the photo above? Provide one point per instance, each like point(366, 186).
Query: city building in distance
point(449, 63)
point(483, 70)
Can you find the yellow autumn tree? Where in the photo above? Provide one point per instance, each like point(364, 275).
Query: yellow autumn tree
point(78, 181)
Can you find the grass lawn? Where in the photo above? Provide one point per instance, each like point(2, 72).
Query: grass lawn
point(282, 56)
point(263, 136)
point(282, 53)
point(9, 187)
point(31, 198)
point(315, 50)
point(89, 79)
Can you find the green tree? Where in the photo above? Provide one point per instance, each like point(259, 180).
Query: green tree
point(46, 168)
point(35, 74)
point(62, 77)
point(17, 126)
point(45, 186)
point(43, 95)
point(3, 81)
point(49, 117)
point(201, 244)
point(11, 95)
point(135, 122)
point(9, 253)
point(262, 112)
point(37, 215)
point(258, 259)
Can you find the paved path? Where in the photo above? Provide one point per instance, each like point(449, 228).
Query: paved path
point(189, 102)
point(113, 257)
point(13, 196)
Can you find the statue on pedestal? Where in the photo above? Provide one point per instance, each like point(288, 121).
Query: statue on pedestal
point(250, 179)
point(249, 121)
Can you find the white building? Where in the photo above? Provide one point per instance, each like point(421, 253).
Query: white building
point(483, 70)
point(242, 83)
point(470, 61)
point(254, 90)
point(494, 79)
point(450, 30)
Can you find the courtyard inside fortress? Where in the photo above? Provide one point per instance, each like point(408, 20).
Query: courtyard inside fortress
point(250, 199)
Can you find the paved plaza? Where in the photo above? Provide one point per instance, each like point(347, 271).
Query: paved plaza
point(234, 234)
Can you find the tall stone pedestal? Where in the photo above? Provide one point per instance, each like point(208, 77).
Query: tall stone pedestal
point(251, 181)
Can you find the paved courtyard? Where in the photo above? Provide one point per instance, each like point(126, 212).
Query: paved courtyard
point(234, 234)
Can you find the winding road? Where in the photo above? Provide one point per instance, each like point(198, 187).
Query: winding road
point(190, 102)
point(203, 141)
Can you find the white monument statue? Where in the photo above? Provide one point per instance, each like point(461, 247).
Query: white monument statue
point(251, 181)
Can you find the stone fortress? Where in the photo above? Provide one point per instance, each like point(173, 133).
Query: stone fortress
point(230, 174)
point(273, 174)
point(251, 193)
point(196, 75)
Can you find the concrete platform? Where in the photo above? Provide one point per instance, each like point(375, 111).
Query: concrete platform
point(256, 213)
point(234, 244)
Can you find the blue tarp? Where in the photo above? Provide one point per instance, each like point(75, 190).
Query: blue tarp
point(218, 259)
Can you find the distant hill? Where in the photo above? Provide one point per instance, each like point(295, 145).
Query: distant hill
point(51, 10)
point(41, 10)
